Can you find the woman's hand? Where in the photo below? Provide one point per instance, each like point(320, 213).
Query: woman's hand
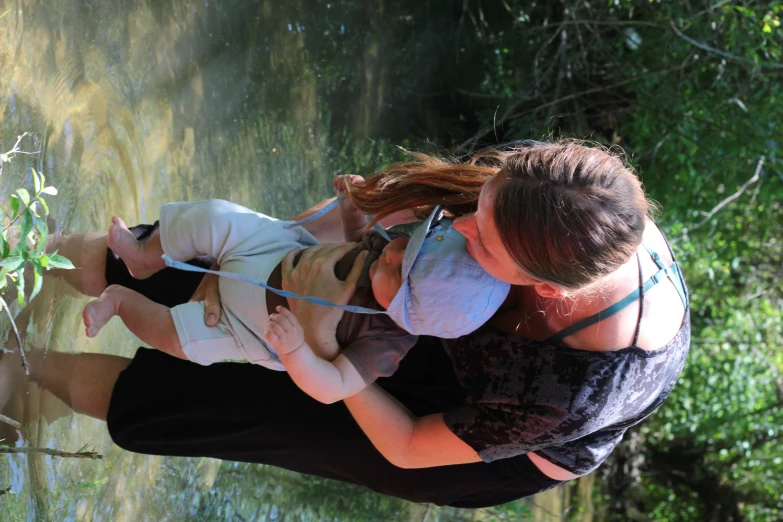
point(401, 217)
point(340, 181)
point(209, 292)
point(314, 276)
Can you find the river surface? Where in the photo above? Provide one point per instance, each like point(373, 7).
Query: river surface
point(135, 103)
point(132, 104)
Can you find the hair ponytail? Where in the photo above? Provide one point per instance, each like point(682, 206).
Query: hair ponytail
point(568, 214)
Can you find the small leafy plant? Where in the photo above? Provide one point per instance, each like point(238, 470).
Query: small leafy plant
point(28, 227)
point(28, 230)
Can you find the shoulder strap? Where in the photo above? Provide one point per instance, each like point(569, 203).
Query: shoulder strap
point(247, 279)
point(325, 210)
point(672, 272)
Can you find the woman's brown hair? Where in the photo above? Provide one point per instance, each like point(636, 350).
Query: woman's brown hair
point(567, 213)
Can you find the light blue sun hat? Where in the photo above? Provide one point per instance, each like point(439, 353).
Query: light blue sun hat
point(444, 292)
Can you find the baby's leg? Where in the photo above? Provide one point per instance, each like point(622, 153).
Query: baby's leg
point(149, 321)
point(87, 252)
point(142, 259)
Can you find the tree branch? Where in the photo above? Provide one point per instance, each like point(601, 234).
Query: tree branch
point(18, 337)
point(734, 196)
point(81, 454)
point(508, 115)
point(710, 8)
point(16, 150)
point(10, 421)
point(733, 57)
point(15, 424)
point(598, 22)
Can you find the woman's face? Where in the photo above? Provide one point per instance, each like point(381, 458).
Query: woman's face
point(484, 242)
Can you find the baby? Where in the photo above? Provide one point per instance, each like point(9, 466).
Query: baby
point(414, 280)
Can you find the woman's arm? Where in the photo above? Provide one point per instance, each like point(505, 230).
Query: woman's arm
point(333, 227)
point(327, 228)
point(402, 438)
point(354, 222)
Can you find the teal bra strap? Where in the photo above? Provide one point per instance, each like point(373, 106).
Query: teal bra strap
point(672, 272)
point(675, 276)
point(610, 311)
point(325, 210)
point(247, 279)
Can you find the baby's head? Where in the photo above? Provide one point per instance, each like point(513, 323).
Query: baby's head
point(430, 285)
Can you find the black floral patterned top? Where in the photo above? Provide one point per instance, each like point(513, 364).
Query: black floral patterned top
point(570, 406)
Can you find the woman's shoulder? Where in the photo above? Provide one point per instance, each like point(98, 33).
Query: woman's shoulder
point(650, 323)
point(657, 319)
point(664, 312)
point(491, 341)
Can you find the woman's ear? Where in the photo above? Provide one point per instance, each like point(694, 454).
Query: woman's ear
point(549, 290)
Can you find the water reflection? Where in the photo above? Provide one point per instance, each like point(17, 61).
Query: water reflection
point(137, 103)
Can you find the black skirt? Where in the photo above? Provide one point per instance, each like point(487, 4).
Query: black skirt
point(162, 405)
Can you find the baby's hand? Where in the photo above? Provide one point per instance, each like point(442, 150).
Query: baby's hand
point(284, 331)
point(340, 181)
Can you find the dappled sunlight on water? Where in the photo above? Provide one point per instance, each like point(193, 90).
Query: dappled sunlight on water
point(133, 104)
point(136, 103)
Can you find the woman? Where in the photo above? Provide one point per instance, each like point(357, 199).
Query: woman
point(584, 348)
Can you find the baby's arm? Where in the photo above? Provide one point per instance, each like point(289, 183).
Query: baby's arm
point(322, 380)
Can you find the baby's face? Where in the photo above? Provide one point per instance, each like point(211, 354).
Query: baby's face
point(386, 271)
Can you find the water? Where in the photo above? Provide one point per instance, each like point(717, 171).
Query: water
point(133, 104)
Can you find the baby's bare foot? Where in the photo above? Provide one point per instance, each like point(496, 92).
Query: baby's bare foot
point(98, 312)
point(124, 244)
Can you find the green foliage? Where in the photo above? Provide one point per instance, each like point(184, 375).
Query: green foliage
point(693, 93)
point(512, 511)
point(27, 226)
point(692, 90)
